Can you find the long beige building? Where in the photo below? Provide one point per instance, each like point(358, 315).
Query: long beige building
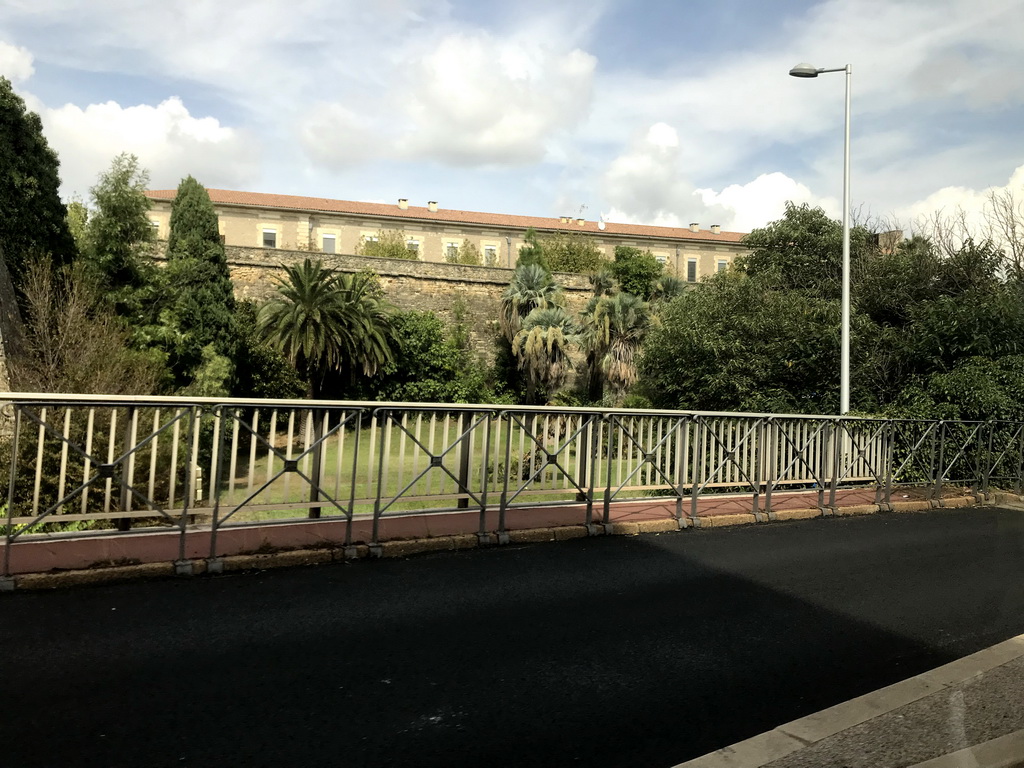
point(254, 219)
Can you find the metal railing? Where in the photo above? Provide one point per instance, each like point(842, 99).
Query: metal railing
point(94, 465)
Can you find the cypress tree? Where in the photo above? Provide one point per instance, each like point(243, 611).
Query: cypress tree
point(32, 216)
point(198, 282)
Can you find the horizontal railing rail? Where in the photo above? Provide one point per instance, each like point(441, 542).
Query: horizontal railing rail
point(103, 466)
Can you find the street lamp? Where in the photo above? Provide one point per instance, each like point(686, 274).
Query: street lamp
point(807, 70)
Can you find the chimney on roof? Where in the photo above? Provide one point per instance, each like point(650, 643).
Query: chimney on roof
point(403, 203)
point(716, 229)
point(694, 226)
point(432, 206)
point(581, 221)
point(564, 219)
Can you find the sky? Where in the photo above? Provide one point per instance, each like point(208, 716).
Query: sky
point(659, 112)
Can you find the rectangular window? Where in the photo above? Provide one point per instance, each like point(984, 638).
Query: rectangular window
point(490, 255)
point(155, 225)
point(691, 270)
point(661, 259)
point(722, 265)
point(413, 245)
point(451, 251)
point(329, 244)
point(370, 238)
point(270, 238)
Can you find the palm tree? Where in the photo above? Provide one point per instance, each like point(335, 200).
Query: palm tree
point(532, 287)
point(541, 345)
point(614, 329)
point(667, 288)
point(624, 319)
point(322, 321)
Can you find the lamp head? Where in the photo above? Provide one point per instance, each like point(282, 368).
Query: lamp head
point(804, 70)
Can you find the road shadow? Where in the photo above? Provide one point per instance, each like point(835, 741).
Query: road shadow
point(615, 651)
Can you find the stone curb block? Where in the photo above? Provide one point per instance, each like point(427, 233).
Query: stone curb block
point(276, 559)
point(416, 546)
point(531, 535)
point(567, 532)
point(857, 509)
point(721, 521)
point(623, 529)
point(797, 514)
point(910, 506)
point(83, 577)
point(658, 526)
point(957, 501)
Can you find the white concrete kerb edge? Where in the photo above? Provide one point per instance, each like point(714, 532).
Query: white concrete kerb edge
point(798, 734)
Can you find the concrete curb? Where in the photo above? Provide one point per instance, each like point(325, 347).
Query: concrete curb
point(408, 547)
point(791, 737)
point(1004, 752)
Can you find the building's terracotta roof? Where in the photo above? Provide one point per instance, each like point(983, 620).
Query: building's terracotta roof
point(495, 220)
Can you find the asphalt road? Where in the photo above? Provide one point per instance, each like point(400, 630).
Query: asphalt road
point(615, 651)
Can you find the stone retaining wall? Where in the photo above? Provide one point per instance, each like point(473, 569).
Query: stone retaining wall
point(420, 285)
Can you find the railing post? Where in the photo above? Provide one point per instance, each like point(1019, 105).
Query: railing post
point(465, 427)
point(835, 444)
point(184, 566)
point(125, 523)
point(218, 445)
point(316, 467)
point(757, 455)
point(485, 480)
point(698, 467)
point(678, 470)
point(588, 468)
point(6, 582)
point(938, 468)
point(771, 432)
point(986, 477)
point(890, 460)
point(379, 416)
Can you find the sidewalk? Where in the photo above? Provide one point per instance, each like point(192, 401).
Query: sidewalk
point(966, 714)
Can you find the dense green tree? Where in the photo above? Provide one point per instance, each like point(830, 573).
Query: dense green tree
point(636, 270)
point(803, 251)
point(119, 230)
point(542, 348)
point(325, 321)
point(432, 363)
point(260, 370)
point(531, 252)
point(32, 216)
point(386, 244)
point(467, 253)
point(741, 343)
point(78, 224)
point(572, 252)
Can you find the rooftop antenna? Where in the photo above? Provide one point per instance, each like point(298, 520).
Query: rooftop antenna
point(600, 222)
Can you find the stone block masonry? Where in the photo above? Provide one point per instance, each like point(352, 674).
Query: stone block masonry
point(410, 285)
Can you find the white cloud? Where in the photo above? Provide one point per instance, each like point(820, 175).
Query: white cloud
point(762, 200)
point(482, 99)
point(971, 207)
point(15, 63)
point(167, 139)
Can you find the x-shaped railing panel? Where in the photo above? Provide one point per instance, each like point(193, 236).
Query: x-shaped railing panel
point(290, 464)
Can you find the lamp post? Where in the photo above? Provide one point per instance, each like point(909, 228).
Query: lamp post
point(807, 70)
